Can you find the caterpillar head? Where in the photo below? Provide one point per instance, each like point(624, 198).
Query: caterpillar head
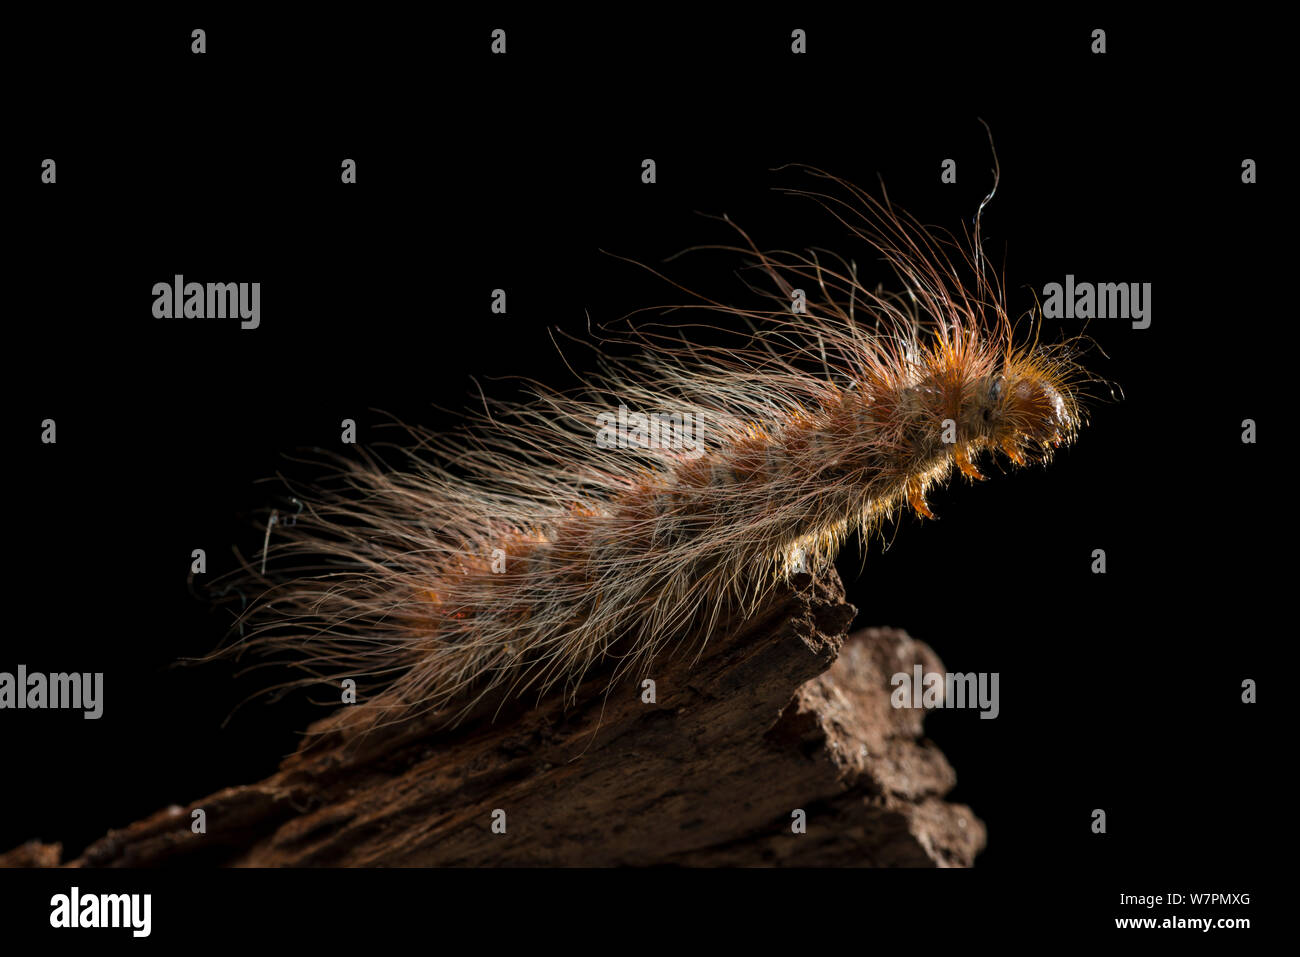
point(1026, 412)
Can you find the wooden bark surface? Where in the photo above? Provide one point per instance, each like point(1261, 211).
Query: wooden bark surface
point(785, 714)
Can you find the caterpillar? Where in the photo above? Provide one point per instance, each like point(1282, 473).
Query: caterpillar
point(565, 530)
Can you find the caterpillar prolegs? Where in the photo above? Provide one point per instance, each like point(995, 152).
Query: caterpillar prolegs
point(564, 530)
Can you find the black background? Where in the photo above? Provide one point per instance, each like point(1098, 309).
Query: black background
point(1119, 692)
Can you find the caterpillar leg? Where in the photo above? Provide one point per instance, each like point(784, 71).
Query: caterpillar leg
point(962, 455)
point(916, 498)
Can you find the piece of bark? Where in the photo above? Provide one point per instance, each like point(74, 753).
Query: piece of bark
point(784, 715)
point(32, 854)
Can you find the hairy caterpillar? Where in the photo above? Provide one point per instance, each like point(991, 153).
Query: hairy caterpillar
point(521, 556)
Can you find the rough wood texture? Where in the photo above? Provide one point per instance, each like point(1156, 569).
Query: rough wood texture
point(785, 714)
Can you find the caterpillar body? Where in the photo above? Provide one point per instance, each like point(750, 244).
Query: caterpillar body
point(519, 557)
